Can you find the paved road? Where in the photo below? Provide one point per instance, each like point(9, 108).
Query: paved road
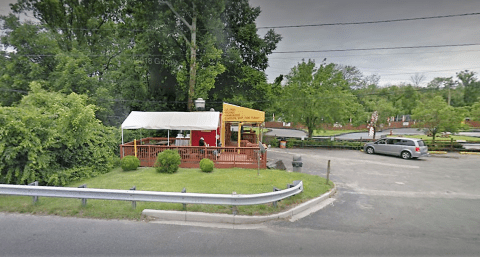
point(385, 206)
point(25, 235)
point(364, 135)
point(286, 133)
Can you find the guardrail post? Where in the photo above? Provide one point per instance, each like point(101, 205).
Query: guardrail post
point(134, 203)
point(328, 171)
point(184, 190)
point(84, 200)
point(275, 202)
point(35, 198)
point(234, 207)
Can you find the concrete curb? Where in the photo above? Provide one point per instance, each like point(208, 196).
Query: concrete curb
point(189, 218)
point(437, 152)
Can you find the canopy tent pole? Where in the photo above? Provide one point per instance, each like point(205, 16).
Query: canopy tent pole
point(168, 137)
point(239, 134)
point(123, 149)
point(260, 132)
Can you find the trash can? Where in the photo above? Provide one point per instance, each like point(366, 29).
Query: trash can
point(283, 144)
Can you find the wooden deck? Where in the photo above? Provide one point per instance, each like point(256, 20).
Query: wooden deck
point(223, 157)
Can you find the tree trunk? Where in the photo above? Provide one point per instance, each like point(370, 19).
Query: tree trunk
point(310, 132)
point(193, 52)
point(193, 62)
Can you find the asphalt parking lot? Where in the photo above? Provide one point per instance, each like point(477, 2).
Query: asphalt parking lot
point(435, 196)
point(385, 206)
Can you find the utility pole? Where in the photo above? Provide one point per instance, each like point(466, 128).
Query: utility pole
point(193, 50)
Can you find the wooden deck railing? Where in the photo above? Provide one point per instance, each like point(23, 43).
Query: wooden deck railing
point(223, 157)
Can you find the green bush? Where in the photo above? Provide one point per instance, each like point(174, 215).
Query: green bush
point(273, 142)
point(62, 177)
point(206, 165)
point(53, 138)
point(130, 162)
point(116, 162)
point(291, 143)
point(168, 161)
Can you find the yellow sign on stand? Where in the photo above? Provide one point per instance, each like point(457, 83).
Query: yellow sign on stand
point(234, 113)
point(241, 114)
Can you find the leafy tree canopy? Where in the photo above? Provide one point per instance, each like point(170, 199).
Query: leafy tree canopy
point(437, 116)
point(53, 138)
point(135, 55)
point(314, 96)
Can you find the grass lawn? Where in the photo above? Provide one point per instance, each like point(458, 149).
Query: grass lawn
point(327, 133)
point(220, 181)
point(256, 129)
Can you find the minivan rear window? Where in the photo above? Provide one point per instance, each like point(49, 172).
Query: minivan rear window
point(407, 142)
point(421, 143)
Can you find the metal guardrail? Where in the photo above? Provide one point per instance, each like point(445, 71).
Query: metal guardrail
point(152, 196)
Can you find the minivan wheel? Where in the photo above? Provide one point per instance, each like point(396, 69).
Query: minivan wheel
point(370, 150)
point(406, 155)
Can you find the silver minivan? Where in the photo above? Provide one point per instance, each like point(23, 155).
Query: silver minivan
point(399, 146)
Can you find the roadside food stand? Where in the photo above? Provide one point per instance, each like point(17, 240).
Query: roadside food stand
point(209, 124)
point(241, 116)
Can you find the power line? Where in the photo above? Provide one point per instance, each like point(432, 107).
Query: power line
point(369, 54)
point(272, 27)
point(368, 22)
point(374, 48)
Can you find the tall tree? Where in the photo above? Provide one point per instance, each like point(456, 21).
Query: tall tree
point(408, 99)
point(470, 85)
point(475, 111)
point(137, 55)
point(245, 57)
point(447, 86)
point(355, 78)
point(437, 116)
point(30, 56)
point(417, 79)
point(315, 96)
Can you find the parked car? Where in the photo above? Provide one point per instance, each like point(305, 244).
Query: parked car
point(399, 146)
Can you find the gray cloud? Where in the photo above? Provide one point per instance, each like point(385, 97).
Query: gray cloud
point(394, 66)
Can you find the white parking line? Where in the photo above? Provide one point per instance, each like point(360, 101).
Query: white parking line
point(413, 194)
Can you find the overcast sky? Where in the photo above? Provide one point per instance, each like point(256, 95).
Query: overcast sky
point(393, 66)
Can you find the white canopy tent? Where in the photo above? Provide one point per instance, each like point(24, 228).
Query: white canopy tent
point(172, 121)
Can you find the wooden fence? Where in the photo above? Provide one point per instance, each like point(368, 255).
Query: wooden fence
point(223, 157)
